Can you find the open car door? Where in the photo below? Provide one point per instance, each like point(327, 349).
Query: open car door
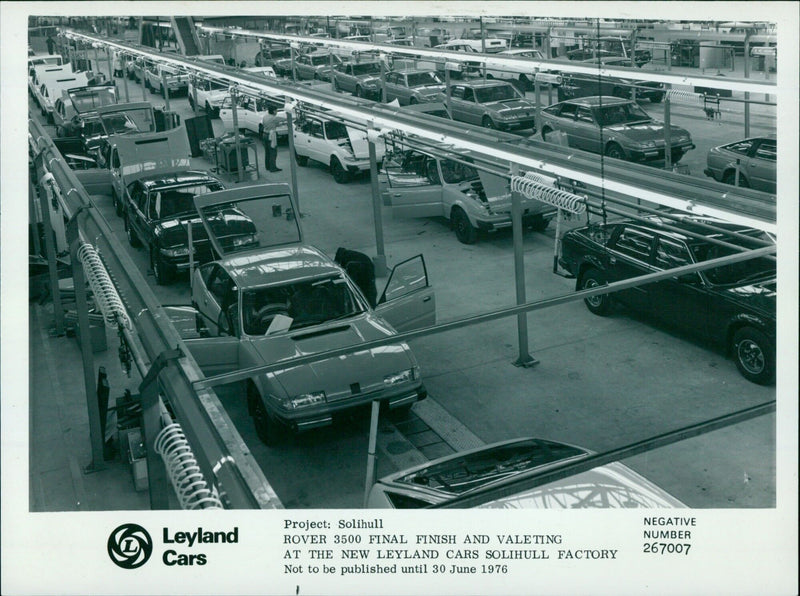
point(413, 186)
point(408, 301)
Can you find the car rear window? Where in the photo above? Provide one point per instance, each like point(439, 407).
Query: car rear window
point(473, 470)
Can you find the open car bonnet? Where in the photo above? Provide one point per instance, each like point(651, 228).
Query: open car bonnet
point(359, 143)
point(248, 219)
point(495, 187)
point(150, 153)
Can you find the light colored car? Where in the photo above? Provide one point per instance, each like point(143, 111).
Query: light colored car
point(492, 104)
point(177, 83)
point(754, 158)
point(414, 86)
point(505, 467)
point(210, 96)
point(38, 60)
point(362, 79)
point(491, 44)
point(271, 297)
point(521, 70)
point(52, 89)
point(418, 185)
point(615, 127)
point(250, 113)
point(344, 149)
point(39, 73)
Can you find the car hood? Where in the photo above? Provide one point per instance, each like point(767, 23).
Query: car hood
point(360, 144)
point(342, 376)
point(647, 131)
point(761, 296)
point(509, 105)
point(429, 89)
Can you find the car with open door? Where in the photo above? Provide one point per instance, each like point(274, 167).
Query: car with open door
point(274, 297)
point(492, 104)
point(417, 184)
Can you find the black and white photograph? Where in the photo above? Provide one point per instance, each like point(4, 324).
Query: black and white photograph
point(301, 272)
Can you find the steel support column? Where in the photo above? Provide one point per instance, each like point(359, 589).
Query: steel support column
point(380, 258)
point(82, 308)
point(293, 160)
point(52, 262)
point(165, 91)
point(667, 132)
point(236, 145)
point(524, 358)
point(195, 80)
point(124, 58)
point(747, 93)
point(372, 458)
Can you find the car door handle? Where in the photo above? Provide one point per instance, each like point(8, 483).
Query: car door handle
point(426, 299)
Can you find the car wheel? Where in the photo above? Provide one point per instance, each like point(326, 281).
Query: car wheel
point(601, 304)
point(656, 97)
point(133, 240)
point(755, 355)
point(301, 160)
point(413, 101)
point(334, 86)
point(730, 178)
point(339, 173)
point(117, 203)
point(618, 92)
point(359, 92)
point(316, 77)
point(465, 233)
point(539, 223)
point(269, 431)
point(615, 151)
point(488, 122)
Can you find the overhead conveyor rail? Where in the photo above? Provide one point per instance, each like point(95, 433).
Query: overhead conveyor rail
point(222, 456)
point(603, 177)
point(500, 62)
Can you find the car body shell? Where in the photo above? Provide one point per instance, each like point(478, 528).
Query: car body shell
point(268, 56)
point(754, 158)
point(707, 304)
point(315, 66)
point(641, 140)
point(250, 114)
point(68, 117)
point(575, 85)
point(514, 113)
point(177, 84)
point(209, 96)
point(400, 85)
point(504, 465)
point(415, 185)
point(52, 88)
point(522, 71)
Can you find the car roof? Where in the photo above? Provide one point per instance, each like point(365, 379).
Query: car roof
point(596, 100)
point(278, 265)
point(182, 177)
point(482, 83)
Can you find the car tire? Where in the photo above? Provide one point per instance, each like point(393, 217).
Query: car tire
point(413, 101)
point(487, 122)
point(302, 160)
point(613, 150)
point(340, 174)
point(546, 131)
point(116, 202)
point(268, 430)
point(464, 230)
point(656, 97)
point(754, 355)
point(133, 239)
point(618, 92)
point(316, 77)
point(359, 91)
point(161, 270)
point(730, 178)
point(601, 304)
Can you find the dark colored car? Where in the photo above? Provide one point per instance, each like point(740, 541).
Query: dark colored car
point(362, 79)
point(754, 158)
point(614, 127)
point(732, 306)
point(268, 56)
point(158, 210)
point(581, 85)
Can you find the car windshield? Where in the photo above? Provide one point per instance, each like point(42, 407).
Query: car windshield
point(421, 79)
point(299, 304)
point(335, 130)
point(495, 93)
point(472, 470)
point(177, 200)
point(752, 270)
point(135, 120)
point(620, 113)
point(319, 60)
point(249, 223)
point(88, 99)
point(283, 53)
point(454, 172)
point(366, 68)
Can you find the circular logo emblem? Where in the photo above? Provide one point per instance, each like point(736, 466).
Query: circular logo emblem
point(130, 546)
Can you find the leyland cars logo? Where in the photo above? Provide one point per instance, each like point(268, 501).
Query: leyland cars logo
point(130, 546)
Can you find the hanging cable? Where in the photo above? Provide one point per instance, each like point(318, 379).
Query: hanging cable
point(105, 293)
point(183, 470)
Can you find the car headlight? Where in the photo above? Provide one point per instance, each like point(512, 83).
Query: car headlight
point(304, 400)
point(244, 240)
point(646, 144)
point(403, 376)
point(175, 252)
